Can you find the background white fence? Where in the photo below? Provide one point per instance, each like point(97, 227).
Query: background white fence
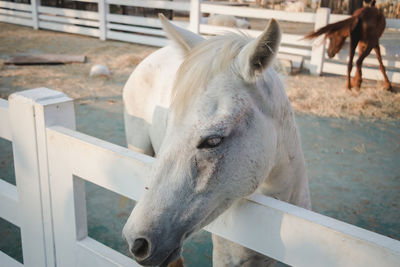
point(145, 30)
point(53, 161)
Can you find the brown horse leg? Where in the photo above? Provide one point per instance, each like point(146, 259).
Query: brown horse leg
point(353, 45)
point(364, 52)
point(377, 49)
point(356, 81)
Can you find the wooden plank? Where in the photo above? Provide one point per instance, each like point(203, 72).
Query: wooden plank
point(16, 6)
point(45, 59)
point(16, 13)
point(343, 58)
point(68, 20)
point(300, 237)
point(15, 20)
point(94, 164)
point(51, 108)
point(86, 1)
point(134, 20)
point(9, 206)
point(136, 38)
point(7, 261)
point(141, 21)
point(391, 51)
point(386, 62)
point(35, 13)
point(368, 73)
point(145, 30)
point(92, 253)
point(69, 12)
point(259, 13)
point(295, 39)
point(66, 215)
point(5, 127)
point(318, 48)
point(296, 61)
point(286, 38)
point(337, 17)
point(103, 8)
point(69, 28)
point(25, 152)
point(181, 6)
point(295, 51)
point(195, 16)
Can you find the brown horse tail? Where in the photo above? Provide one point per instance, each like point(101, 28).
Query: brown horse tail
point(343, 25)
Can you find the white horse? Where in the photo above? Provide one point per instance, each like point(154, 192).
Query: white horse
point(219, 121)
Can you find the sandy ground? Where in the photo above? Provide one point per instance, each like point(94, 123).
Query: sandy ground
point(324, 96)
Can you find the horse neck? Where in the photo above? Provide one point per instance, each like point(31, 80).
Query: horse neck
point(287, 179)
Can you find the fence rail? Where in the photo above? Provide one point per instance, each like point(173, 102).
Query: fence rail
point(53, 161)
point(148, 31)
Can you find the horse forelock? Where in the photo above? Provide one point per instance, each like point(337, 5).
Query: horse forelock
point(204, 62)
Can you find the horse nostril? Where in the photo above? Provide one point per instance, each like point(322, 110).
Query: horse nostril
point(140, 248)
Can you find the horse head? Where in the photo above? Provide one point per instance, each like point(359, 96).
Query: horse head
point(335, 44)
point(336, 33)
point(220, 142)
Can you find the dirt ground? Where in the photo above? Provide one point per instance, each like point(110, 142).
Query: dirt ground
point(353, 165)
point(323, 96)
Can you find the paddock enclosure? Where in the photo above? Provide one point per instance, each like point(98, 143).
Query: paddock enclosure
point(105, 23)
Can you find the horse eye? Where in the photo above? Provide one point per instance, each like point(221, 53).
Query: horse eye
point(211, 142)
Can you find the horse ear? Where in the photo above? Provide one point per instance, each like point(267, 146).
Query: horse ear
point(257, 55)
point(185, 39)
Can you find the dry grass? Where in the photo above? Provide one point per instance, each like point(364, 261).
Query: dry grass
point(322, 96)
point(327, 96)
point(72, 79)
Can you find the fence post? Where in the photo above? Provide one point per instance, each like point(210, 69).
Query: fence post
point(318, 48)
point(35, 13)
point(104, 9)
point(31, 111)
point(195, 16)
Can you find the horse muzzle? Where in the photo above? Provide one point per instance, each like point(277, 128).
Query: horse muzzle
point(331, 54)
point(162, 257)
point(153, 251)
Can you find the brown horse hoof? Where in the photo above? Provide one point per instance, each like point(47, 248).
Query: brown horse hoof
point(389, 87)
point(356, 83)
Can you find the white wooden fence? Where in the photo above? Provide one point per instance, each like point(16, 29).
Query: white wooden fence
point(53, 161)
point(148, 31)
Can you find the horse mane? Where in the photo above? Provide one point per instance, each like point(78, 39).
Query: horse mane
point(329, 29)
point(200, 65)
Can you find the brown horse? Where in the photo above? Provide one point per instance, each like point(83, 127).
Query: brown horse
point(364, 27)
